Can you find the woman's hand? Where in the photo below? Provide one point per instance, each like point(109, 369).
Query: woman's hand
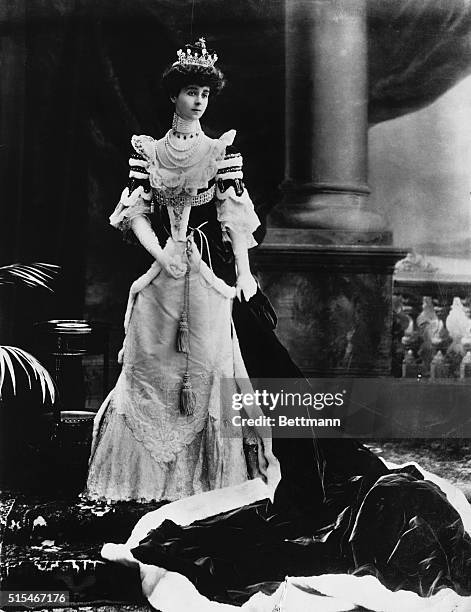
point(130, 199)
point(173, 266)
point(246, 285)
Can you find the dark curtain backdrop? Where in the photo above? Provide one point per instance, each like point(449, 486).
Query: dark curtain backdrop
point(78, 78)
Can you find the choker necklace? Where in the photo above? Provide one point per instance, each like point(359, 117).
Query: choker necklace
point(183, 141)
point(185, 127)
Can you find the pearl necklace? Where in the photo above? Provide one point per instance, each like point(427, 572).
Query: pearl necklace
point(183, 141)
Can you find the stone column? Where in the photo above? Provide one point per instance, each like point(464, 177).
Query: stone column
point(326, 117)
point(326, 262)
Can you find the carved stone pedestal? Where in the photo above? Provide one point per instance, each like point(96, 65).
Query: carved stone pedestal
point(334, 302)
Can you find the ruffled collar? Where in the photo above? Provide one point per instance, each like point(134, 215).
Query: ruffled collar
point(186, 180)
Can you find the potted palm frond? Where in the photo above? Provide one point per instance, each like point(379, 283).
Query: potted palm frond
point(13, 359)
point(23, 380)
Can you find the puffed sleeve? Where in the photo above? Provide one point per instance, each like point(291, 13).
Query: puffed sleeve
point(138, 177)
point(235, 209)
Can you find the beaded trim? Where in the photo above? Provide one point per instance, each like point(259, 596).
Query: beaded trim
point(229, 169)
point(232, 155)
point(162, 197)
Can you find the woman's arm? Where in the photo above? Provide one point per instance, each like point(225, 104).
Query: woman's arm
point(246, 285)
point(145, 234)
point(238, 218)
point(143, 231)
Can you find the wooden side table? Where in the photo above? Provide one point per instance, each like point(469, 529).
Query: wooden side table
point(62, 341)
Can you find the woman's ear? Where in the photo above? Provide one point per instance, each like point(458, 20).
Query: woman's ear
point(173, 99)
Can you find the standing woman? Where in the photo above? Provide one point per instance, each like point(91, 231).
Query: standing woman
point(158, 435)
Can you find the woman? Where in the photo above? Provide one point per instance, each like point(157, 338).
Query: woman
point(158, 436)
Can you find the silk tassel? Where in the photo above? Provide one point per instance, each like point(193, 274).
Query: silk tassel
point(187, 397)
point(183, 334)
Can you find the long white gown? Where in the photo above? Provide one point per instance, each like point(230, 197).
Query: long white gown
point(143, 447)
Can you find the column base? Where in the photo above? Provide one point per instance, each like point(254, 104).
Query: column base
point(324, 237)
point(332, 211)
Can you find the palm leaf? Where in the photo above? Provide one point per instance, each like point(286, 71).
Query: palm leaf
point(11, 356)
point(10, 370)
point(31, 275)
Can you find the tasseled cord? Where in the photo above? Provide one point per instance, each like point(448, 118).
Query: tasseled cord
point(187, 395)
point(183, 334)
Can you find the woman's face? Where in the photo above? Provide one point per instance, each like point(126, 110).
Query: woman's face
point(191, 102)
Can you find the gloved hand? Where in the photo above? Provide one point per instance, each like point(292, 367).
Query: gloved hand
point(246, 286)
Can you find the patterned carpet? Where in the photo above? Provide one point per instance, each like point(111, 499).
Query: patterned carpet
point(54, 545)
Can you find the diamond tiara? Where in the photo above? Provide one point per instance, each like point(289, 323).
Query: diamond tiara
point(196, 55)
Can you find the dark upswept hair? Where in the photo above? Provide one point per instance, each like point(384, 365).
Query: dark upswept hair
point(176, 77)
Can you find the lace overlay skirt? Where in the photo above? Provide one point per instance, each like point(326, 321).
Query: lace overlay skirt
point(143, 447)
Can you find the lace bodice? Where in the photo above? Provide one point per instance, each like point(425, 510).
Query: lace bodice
point(209, 173)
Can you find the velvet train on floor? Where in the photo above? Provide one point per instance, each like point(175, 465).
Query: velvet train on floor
point(407, 531)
